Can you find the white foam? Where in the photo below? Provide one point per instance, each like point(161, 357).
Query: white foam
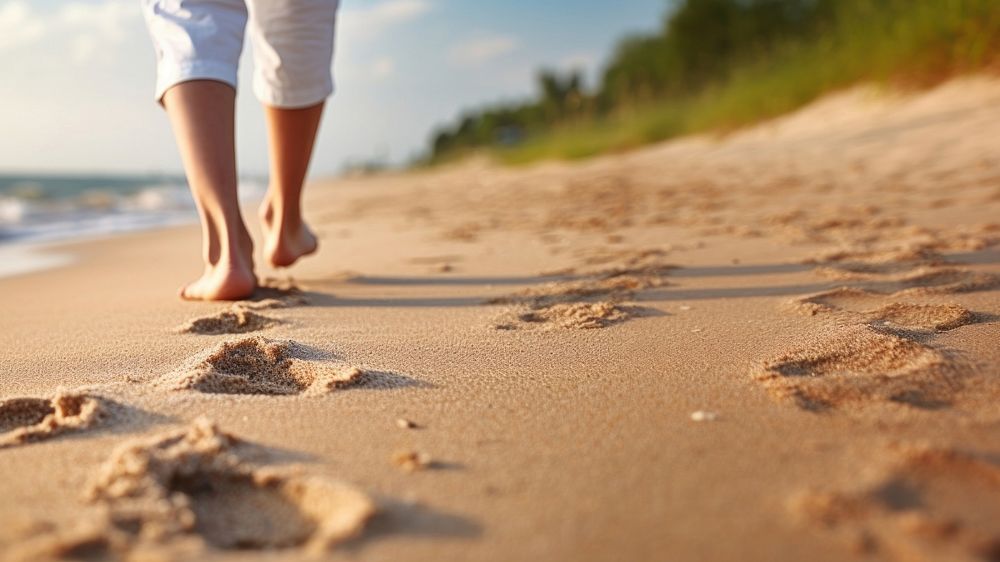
point(18, 259)
point(12, 210)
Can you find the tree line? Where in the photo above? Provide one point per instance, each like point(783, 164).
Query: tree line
point(699, 43)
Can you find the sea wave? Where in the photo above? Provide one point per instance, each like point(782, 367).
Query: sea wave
point(54, 209)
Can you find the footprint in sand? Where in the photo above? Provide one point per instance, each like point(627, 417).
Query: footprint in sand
point(580, 315)
point(921, 317)
point(880, 351)
point(865, 305)
point(917, 280)
point(930, 504)
point(594, 301)
point(851, 299)
point(234, 320)
point(929, 281)
point(242, 316)
point(276, 293)
point(865, 264)
point(862, 364)
point(24, 420)
point(192, 490)
point(259, 365)
point(926, 250)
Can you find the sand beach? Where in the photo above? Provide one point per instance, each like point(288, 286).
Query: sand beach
point(781, 343)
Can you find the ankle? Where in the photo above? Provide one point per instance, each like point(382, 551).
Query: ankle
point(237, 247)
point(279, 210)
point(286, 225)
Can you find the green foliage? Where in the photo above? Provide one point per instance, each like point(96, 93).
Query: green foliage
point(720, 64)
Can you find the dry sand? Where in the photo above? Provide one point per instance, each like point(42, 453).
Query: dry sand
point(778, 345)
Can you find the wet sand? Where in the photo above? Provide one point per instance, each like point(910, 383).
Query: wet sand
point(781, 344)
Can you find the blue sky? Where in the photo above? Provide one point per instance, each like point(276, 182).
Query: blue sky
point(76, 76)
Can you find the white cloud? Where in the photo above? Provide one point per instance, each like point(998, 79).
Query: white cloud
point(85, 29)
point(106, 18)
point(97, 29)
point(383, 68)
point(18, 25)
point(483, 49)
point(394, 10)
point(372, 21)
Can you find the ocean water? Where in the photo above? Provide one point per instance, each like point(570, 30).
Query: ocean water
point(52, 208)
point(37, 210)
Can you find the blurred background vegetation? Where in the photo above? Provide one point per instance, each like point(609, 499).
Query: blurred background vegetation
point(722, 64)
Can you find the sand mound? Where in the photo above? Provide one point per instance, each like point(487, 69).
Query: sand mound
point(579, 315)
point(192, 487)
point(937, 317)
point(931, 504)
point(234, 320)
point(24, 420)
point(261, 366)
point(861, 364)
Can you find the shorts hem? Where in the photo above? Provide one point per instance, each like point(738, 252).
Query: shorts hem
point(292, 100)
point(170, 76)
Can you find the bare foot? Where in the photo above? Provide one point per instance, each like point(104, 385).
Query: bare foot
point(285, 240)
point(230, 278)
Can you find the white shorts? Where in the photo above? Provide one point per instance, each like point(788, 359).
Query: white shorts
point(202, 39)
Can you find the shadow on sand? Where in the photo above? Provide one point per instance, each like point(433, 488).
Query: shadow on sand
point(673, 293)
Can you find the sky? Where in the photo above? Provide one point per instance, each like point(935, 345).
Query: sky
point(77, 77)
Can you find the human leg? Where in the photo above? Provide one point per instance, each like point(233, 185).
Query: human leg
point(202, 113)
point(291, 134)
point(198, 45)
point(293, 53)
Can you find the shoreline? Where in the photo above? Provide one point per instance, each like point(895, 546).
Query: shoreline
point(48, 219)
point(21, 259)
